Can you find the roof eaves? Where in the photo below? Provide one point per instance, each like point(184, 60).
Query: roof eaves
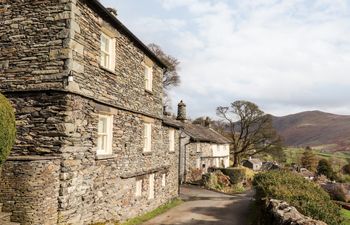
point(114, 21)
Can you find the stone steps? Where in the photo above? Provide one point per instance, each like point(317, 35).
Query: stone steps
point(5, 217)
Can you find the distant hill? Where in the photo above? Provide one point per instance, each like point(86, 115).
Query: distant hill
point(315, 128)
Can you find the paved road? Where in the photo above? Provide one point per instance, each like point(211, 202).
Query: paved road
point(203, 207)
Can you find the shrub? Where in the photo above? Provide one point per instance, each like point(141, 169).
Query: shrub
point(7, 128)
point(216, 180)
point(307, 197)
point(238, 174)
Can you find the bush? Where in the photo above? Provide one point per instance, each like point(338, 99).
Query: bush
point(238, 174)
point(7, 128)
point(307, 197)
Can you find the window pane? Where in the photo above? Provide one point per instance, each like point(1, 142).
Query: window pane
point(102, 125)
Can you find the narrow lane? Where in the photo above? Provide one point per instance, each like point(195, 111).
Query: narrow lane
point(203, 207)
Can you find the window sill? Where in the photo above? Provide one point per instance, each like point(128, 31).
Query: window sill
point(108, 70)
point(146, 153)
point(105, 157)
point(148, 92)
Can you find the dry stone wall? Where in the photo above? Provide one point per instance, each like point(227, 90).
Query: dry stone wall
point(29, 189)
point(63, 181)
point(33, 42)
point(123, 87)
point(97, 189)
point(282, 213)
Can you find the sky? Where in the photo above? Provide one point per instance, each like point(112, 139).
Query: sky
point(286, 56)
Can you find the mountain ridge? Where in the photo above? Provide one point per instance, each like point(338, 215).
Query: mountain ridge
point(314, 128)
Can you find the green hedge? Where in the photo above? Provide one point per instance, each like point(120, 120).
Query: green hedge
point(309, 198)
point(237, 174)
point(7, 128)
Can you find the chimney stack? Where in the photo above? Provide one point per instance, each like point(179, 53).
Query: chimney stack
point(207, 122)
point(181, 111)
point(113, 11)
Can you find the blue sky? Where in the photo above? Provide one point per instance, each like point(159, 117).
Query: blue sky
point(285, 55)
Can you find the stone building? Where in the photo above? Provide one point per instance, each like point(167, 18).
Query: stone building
point(201, 147)
point(92, 145)
point(251, 163)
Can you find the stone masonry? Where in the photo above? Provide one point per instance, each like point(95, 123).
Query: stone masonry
point(50, 70)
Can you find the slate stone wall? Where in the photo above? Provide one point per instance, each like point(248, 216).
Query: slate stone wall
point(123, 87)
point(95, 189)
point(33, 42)
point(44, 42)
point(29, 189)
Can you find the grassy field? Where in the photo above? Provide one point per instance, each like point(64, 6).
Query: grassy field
point(338, 159)
point(346, 214)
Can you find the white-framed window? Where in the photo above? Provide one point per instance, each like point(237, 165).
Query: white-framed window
point(163, 179)
point(107, 45)
point(147, 139)
point(148, 77)
point(171, 140)
point(105, 135)
point(198, 148)
point(138, 191)
point(151, 186)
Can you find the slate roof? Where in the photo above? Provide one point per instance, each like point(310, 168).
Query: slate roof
point(108, 16)
point(254, 161)
point(204, 134)
point(172, 122)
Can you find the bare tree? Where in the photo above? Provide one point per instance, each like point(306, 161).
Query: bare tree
point(250, 130)
point(171, 77)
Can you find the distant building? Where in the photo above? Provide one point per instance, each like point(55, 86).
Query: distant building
point(201, 147)
point(307, 174)
point(254, 164)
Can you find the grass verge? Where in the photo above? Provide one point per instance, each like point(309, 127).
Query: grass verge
point(346, 215)
point(160, 210)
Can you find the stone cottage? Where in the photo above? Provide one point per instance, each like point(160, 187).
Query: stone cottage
point(92, 145)
point(252, 163)
point(201, 147)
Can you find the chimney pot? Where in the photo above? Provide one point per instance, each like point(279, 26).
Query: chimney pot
point(113, 11)
point(181, 111)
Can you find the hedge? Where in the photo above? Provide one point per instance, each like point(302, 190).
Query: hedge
point(7, 128)
point(309, 198)
point(237, 174)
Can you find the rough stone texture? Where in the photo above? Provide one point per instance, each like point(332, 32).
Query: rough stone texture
point(125, 85)
point(44, 42)
point(97, 190)
point(284, 214)
point(29, 189)
point(31, 32)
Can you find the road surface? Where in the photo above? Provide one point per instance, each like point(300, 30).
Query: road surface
point(203, 207)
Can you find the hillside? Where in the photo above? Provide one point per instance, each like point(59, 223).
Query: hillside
point(315, 128)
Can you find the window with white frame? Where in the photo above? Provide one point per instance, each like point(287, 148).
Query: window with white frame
point(148, 77)
point(163, 179)
point(171, 140)
point(138, 191)
point(107, 59)
point(105, 135)
point(147, 139)
point(151, 186)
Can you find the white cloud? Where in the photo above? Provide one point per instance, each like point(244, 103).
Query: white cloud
point(284, 55)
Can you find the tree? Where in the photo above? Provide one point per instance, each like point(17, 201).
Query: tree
point(250, 130)
point(171, 77)
point(7, 128)
point(324, 168)
point(309, 160)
